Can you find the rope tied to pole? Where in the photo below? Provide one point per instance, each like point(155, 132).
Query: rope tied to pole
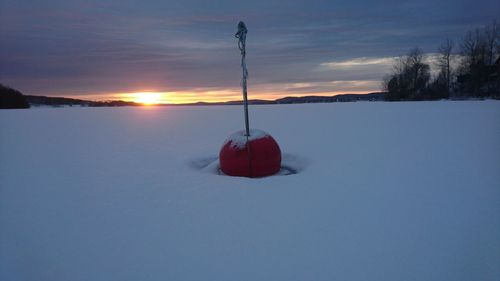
point(242, 37)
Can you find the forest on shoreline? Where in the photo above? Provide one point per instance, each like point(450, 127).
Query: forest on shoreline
point(469, 69)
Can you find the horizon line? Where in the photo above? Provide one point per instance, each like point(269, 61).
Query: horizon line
point(222, 101)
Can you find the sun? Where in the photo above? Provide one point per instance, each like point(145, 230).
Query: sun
point(147, 98)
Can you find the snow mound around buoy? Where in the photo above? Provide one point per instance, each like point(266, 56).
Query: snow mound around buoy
point(291, 164)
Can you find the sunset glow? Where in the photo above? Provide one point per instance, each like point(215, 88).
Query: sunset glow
point(180, 97)
point(147, 98)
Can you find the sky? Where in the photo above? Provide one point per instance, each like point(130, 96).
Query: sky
point(185, 51)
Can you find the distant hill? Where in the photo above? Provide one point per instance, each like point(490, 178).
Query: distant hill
point(10, 98)
point(378, 96)
point(337, 98)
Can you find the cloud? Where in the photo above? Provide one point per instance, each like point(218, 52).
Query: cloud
point(360, 62)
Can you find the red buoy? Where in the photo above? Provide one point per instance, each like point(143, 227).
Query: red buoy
point(256, 156)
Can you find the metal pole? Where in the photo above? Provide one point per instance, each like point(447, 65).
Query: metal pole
point(242, 36)
point(245, 104)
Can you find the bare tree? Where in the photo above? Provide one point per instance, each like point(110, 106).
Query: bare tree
point(409, 79)
point(479, 49)
point(444, 62)
point(473, 47)
point(491, 41)
point(473, 58)
point(417, 70)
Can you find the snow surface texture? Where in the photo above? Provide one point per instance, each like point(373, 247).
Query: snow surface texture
point(387, 191)
point(239, 138)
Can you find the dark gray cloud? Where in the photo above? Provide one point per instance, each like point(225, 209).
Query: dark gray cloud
point(110, 46)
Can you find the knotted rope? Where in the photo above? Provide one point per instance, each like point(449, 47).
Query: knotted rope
point(242, 37)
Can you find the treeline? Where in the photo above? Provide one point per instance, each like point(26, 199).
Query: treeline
point(59, 101)
point(11, 98)
point(469, 69)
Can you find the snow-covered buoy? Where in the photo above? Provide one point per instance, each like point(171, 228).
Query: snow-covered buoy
point(249, 153)
point(257, 155)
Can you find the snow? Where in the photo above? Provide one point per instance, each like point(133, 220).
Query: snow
point(239, 139)
point(384, 191)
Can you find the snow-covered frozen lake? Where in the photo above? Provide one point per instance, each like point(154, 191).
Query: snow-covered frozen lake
point(385, 191)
